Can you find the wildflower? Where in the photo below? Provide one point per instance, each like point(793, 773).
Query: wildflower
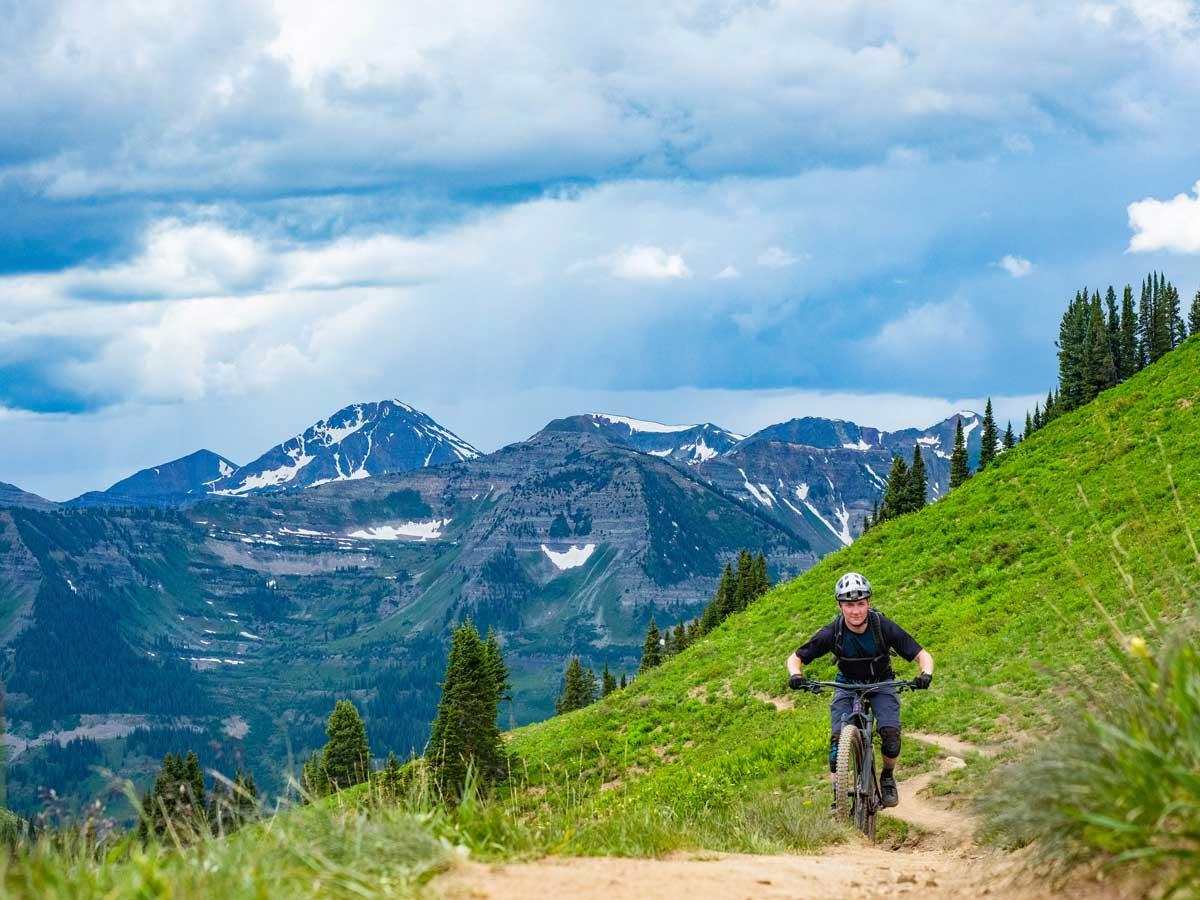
point(1138, 648)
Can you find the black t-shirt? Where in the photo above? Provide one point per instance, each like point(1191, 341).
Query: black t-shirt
point(860, 645)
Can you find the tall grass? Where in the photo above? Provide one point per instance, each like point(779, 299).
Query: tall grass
point(1120, 782)
point(387, 840)
point(337, 847)
point(1119, 779)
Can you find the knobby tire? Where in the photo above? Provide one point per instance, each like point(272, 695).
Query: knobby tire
point(851, 778)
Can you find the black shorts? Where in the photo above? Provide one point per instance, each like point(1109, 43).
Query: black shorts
point(885, 703)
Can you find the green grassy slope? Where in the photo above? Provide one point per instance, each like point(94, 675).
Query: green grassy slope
point(1008, 582)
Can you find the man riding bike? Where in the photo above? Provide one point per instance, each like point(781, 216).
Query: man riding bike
point(860, 639)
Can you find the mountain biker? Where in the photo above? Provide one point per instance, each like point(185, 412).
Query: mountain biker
point(860, 639)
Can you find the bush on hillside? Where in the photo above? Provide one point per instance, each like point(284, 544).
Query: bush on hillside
point(1122, 780)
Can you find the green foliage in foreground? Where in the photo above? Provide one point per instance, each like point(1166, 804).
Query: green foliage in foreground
point(1122, 778)
point(1009, 581)
point(333, 848)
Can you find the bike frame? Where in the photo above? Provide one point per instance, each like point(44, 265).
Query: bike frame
point(861, 715)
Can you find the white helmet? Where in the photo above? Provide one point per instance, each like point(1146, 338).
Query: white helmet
point(852, 586)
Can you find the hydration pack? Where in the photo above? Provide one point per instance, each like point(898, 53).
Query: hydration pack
point(863, 668)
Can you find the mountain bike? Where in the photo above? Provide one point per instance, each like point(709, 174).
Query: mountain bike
point(856, 786)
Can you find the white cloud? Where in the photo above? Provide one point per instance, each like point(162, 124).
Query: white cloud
point(641, 262)
point(306, 96)
point(1016, 266)
point(729, 272)
point(778, 258)
point(1172, 225)
point(928, 327)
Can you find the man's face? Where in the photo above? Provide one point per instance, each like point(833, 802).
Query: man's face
point(855, 611)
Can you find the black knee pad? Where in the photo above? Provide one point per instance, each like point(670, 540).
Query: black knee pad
point(833, 745)
point(889, 738)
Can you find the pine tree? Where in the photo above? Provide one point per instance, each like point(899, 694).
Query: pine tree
point(623, 684)
point(1099, 370)
point(987, 449)
point(1129, 359)
point(679, 638)
point(1178, 326)
point(917, 484)
point(233, 806)
point(316, 782)
point(1194, 316)
point(1028, 426)
point(608, 683)
point(347, 755)
point(1113, 327)
point(1145, 324)
point(1160, 319)
point(895, 495)
point(1037, 417)
point(497, 671)
point(195, 782)
point(721, 604)
point(579, 688)
point(959, 470)
point(1010, 440)
point(465, 733)
point(762, 577)
point(743, 581)
point(651, 649)
point(1072, 339)
point(176, 805)
point(391, 779)
point(1050, 410)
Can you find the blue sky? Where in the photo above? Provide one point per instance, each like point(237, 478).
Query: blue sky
point(219, 228)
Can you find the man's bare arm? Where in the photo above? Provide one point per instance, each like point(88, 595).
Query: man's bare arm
point(795, 665)
point(925, 661)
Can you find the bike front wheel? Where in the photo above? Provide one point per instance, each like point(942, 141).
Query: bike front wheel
point(851, 758)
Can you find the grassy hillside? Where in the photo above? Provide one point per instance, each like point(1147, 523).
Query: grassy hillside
point(1009, 582)
point(1015, 582)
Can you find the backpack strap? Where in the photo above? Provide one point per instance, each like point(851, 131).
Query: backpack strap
point(874, 620)
point(877, 629)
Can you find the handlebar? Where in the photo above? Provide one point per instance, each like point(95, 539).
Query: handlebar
point(819, 687)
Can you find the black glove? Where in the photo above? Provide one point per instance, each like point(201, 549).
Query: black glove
point(922, 681)
point(797, 682)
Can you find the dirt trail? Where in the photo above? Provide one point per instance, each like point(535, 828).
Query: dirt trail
point(944, 864)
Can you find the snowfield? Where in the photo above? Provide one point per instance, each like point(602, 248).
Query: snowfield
point(423, 531)
point(569, 559)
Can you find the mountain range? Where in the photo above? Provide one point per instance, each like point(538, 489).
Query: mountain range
point(202, 600)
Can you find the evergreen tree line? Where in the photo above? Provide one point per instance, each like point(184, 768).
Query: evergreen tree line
point(1102, 343)
point(736, 590)
point(464, 749)
point(581, 687)
point(179, 808)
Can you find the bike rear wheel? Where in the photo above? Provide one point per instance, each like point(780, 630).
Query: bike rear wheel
point(848, 777)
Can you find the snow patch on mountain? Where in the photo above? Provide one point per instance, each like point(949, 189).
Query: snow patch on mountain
point(569, 559)
point(838, 534)
point(424, 531)
point(641, 424)
point(762, 493)
point(701, 452)
point(272, 477)
point(861, 445)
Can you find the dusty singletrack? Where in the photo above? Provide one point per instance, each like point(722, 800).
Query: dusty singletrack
point(942, 863)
